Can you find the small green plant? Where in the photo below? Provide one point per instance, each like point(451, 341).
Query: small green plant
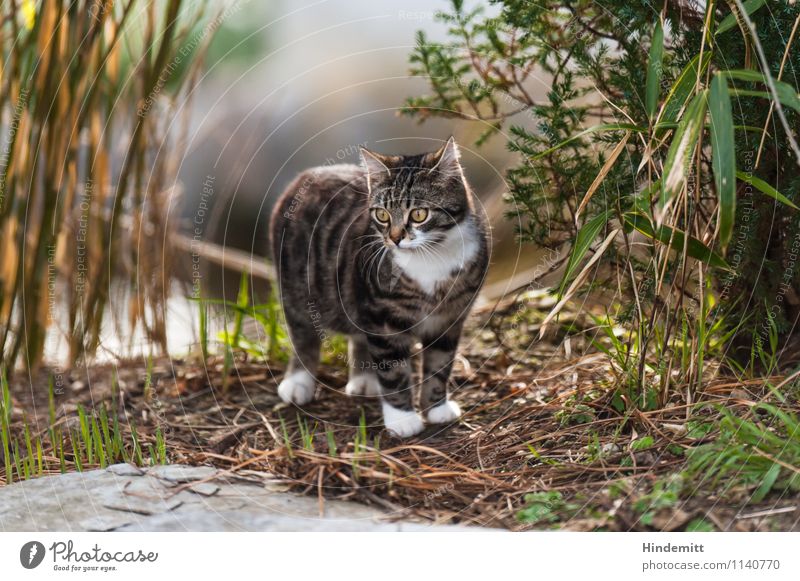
point(287, 441)
point(330, 436)
point(664, 494)
point(267, 315)
point(754, 455)
point(158, 452)
point(96, 440)
point(642, 443)
point(700, 525)
point(575, 412)
point(646, 135)
point(546, 508)
point(360, 442)
point(306, 434)
point(539, 458)
point(766, 352)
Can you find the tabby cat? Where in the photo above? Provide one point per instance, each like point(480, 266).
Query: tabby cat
point(390, 253)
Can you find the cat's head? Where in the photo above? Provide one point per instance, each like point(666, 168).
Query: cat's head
point(416, 199)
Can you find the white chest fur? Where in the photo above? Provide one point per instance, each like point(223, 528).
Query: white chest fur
point(428, 268)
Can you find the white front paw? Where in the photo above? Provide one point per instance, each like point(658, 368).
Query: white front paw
point(363, 384)
point(444, 412)
point(297, 388)
point(401, 423)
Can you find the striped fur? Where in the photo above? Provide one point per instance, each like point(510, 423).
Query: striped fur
point(344, 267)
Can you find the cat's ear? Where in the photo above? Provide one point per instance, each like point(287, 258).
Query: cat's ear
point(447, 161)
point(375, 164)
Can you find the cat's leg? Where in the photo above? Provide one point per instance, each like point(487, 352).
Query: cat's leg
point(362, 378)
point(437, 362)
point(298, 383)
point(391, 358)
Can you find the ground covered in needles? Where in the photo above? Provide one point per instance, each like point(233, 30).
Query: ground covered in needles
point(546, 441)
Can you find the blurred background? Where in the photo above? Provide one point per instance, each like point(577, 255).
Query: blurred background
point(291, 85)
point(144, 145)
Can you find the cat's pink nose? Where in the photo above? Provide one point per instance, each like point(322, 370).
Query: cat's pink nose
point(396, 235)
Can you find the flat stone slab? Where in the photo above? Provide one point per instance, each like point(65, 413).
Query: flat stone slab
point(178, 498)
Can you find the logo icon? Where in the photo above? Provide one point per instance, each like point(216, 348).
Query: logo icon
point(31, 554)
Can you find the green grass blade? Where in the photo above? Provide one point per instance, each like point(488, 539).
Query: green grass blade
point(587, 234)
point(203, 308)
point(765, 188)
point(786, 93)
point(331, 442)
point(654, 69)
point(723, 155)
point(767, 483)
point(76, 452)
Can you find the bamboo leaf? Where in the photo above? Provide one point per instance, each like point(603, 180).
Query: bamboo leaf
point(765, 188)
point(682, 88)
point(731, 19)
point(583, 241)
point(654, 69)
point(723, 155)
point(683, 144)
point(786, 98)
point(675, 238)
point(786, 93)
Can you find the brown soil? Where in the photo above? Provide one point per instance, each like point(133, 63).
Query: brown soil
point(536, 419)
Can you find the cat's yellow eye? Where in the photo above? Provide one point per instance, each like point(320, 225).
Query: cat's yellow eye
point(381, 215)
point(419, 214)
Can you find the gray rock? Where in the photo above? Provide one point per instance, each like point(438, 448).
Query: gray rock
point(243, 521)
point(143, 506)
point(125, 469)
point(205, 488)
point(181, 473)
point(105, 523)
point(120, 499)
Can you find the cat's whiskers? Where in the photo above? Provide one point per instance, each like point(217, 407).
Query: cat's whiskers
point(429, 250)
point(368, 246)
point(368, 235)
point(373, 259)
